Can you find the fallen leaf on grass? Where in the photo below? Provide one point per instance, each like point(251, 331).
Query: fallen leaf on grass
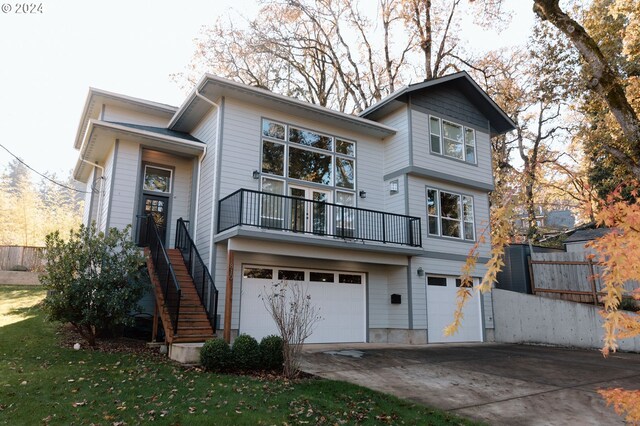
point(79, 404)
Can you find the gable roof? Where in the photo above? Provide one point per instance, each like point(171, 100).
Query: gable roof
point(97, 97)
point(498, 119)
point(212, 87)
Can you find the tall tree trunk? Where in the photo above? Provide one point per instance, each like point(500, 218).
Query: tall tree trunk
point(605, 81)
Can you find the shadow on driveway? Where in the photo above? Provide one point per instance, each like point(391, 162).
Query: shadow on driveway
point(502, 384)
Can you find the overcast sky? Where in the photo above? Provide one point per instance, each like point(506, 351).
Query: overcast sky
point(50, 59)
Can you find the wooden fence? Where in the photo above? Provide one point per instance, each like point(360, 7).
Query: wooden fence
point(16, 257)
point(567, 276)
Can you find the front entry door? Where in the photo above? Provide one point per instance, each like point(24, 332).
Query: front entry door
point(157, 207)
point(310, 213)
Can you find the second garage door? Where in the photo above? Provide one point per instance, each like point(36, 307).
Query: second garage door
point(340, 296)
point(441, 303)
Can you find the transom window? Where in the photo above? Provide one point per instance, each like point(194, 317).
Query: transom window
point(314, 276)
point(157, 179)
point(452, 140)
point(295, 153)
point(450, 214)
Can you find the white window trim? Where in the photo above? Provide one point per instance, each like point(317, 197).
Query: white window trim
point(157, 168)
point(440, 135)
point(439, 215)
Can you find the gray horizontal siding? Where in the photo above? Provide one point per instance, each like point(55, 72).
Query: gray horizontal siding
point(125, 188)
point(206, 131)
point(106, 190)
point(126, 115)
point(396, 147)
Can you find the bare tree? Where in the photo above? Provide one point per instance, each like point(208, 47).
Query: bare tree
point(604, 80)
point(326, 52)
point(289, 304)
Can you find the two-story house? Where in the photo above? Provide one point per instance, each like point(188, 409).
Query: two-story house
point(374, 213)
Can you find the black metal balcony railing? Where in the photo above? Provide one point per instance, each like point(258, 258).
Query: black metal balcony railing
point(199, 273)
point(286, 213)
point(150, 236)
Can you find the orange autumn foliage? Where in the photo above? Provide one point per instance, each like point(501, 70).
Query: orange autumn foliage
point(499, 226)
point(618, 253)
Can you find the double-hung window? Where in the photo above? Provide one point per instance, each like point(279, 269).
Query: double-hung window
point(450, 214)
point(452, 140)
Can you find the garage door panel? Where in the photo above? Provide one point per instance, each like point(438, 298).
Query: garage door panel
point(341, 307)
point(441, 302)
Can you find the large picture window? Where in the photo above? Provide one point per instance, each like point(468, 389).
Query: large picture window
point(306, 155)
point(452, 140)
point(450, 214)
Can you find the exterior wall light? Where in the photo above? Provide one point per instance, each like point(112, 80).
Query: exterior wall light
point(393, 187)
point(420, 272)
point(256, 174)
point(363, 194)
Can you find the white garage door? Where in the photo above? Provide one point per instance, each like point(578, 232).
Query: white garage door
point(340, 296)
point(441, 303)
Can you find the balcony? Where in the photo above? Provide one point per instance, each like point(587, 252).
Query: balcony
point(299, 215)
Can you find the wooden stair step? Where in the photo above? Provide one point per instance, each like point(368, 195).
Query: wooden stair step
point(198, 322)
point(188, 332)
point(193, 339)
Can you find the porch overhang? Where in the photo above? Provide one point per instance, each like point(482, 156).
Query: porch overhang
point(316, 247)
point(100, 135)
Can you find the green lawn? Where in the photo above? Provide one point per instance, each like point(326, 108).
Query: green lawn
point(44, 383)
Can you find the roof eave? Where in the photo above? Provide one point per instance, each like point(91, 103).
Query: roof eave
point(510, 125)
point(374, 127)
point(97, 125)
point(95, 93)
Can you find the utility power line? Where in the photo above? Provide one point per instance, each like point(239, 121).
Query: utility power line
point(41, 174)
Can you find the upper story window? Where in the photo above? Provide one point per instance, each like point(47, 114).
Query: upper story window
point(157, 179)
point(291, 152)
point(452, 140)
point(450, 214)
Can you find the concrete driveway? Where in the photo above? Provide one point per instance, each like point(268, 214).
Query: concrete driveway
point(501, 384)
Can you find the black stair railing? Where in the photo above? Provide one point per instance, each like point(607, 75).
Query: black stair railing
point(200, 275)
point(287, 213)
point(169, 285)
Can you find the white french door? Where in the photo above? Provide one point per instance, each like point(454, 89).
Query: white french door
point(309, 214)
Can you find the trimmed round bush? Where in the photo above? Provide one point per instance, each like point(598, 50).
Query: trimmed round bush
point(215, 355)
point(271, 352)
point(246, 352)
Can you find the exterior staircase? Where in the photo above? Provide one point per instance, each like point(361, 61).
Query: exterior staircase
point(193, 324)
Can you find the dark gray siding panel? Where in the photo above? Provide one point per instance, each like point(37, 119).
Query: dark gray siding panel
point(449, 101)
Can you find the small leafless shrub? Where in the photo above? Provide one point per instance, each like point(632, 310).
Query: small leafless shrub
point(290, 306)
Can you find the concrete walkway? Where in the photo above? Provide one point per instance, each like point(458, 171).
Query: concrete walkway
point(501, 384)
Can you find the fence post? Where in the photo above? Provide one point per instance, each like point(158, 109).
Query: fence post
point(592, 278)
point(533, 283)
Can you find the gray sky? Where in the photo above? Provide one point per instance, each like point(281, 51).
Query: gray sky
point(50, 59)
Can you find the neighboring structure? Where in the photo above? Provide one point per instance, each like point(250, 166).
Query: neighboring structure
point(576, 241)
point(549, 222)
point(376, 213)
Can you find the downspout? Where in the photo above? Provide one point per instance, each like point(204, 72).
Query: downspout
point(214, 196)
point(101, 177)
